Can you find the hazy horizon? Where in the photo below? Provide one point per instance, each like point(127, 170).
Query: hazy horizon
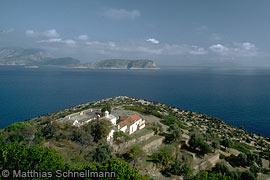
point(209, 33)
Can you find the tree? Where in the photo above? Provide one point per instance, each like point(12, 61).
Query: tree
point(122, 169)
point(164, 156)
point(221, 168)
point(101, 153)
point(242, 159)
point(21, 157)
point(107, 107)
point(136, 154)
point(204, 175)
point(205, 148)
point(100, 129)
point(226, 142)
point(120, 137)
point(197, 144)
point(247, 175)
point(215, 144)
point(181, 167)
point(175, 133)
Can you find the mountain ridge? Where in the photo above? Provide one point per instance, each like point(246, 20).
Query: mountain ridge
point(39, 57)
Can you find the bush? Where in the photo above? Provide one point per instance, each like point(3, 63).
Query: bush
point(247, 175)
point(101, 153)
point(121, 168)
point(120, 137)
point(20, 157)
point(135, 154)
point(17, 126)
point(100, 129)
point(164, 156)
point(227, 143)
point(198, 145)
point(181, 168)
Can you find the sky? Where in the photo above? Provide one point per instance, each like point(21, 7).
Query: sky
point(173, 32)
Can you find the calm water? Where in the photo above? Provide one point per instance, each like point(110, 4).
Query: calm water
point(240, 97)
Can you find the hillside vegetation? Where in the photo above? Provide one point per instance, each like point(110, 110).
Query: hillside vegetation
point(174, 144)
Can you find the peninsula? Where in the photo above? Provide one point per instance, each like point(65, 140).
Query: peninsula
point(137, 139)
point(38, 57)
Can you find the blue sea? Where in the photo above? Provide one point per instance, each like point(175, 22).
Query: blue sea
point(240, 97)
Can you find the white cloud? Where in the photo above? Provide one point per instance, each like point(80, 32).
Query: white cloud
point(6, 31)
point(152, 40)
point(51, 40)
point(83, 37)
point(219, 48)
point(235, 50)
point(121, 14)
point(68, 42)
point(198, 51)
point(248, 46)
point(31, 33)
point(100, 44)
point(51, 33)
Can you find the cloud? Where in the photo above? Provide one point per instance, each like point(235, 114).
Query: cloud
point(198, 51)
point(152, 40)
point(248, 46)
point(31, 33)
point(51, 33)
point(121, 14)
point(50, 40)
point(100, 44)
point(237, 49)
point(83, 37)
point(6, 31)
point(219, 48)
point(68, 42)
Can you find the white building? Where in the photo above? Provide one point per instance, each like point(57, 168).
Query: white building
point(130, 124)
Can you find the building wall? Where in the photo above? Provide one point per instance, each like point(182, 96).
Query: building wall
point(113, 120)
point(110, 136)
point(124, 129)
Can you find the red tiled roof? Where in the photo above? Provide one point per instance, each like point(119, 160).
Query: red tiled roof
point(128, 120)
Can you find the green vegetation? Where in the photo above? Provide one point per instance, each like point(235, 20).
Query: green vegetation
point(140, 133)
point(181, 167)
point(120, 137)
point(171, 119)
point(198, 145)
point(167, 119)
point(106, 107)
point(16, 156)
point(85, 147)
point(122, 169)
point(204, 175)
point(174, 135)
point(135, 154)
point(101, 153)
point(241, 147)
point(100, 129)
point(244, 160)
point(164, 157)
point(21, 157)
point(17, 126)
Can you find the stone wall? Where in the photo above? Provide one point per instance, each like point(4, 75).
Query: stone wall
point(152, 145)
point(209, 163)
point(125, 145)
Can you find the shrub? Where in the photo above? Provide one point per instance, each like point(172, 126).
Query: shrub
point(101, 153)
point(164, 156)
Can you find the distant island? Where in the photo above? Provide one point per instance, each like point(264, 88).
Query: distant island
point(36, 57)
point(135, 138)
